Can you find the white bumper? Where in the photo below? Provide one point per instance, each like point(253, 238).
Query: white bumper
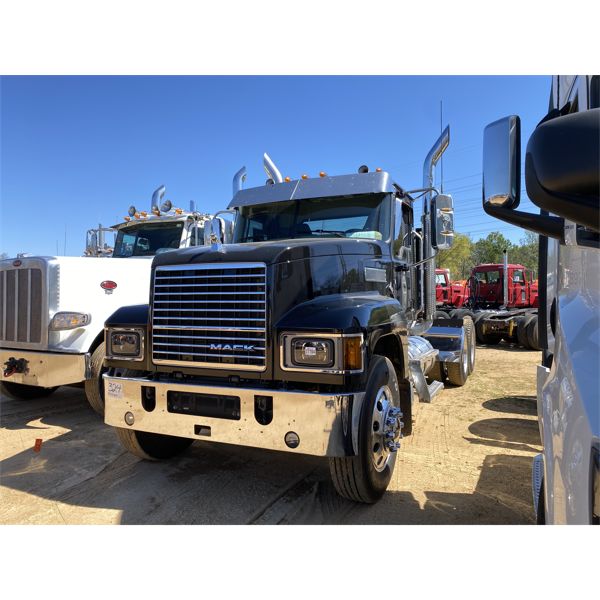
point(46, 369)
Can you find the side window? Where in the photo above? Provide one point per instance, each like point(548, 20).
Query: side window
point(518, 276)
point(402, 229)
point(197, 235)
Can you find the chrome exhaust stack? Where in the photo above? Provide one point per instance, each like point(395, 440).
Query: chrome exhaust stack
point(505, 279)
point(238, 180)
point(431, 160)
point(271, 170)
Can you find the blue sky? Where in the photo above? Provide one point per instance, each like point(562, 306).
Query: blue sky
point(77, 151)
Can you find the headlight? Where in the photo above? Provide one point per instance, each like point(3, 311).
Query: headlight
point(127, 344)
point(328, 353)
point(69, 320)
point(313, 352)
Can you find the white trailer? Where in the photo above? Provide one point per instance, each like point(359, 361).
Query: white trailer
point(53, 308)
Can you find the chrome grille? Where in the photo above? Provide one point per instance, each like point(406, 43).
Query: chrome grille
point(21, 297)
point(210, 315)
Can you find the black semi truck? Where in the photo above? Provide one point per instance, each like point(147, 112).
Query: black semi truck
point(306, 324)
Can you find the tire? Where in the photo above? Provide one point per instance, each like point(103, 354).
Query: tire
point(366, 476)
point(440, 314)
point(94, 388)
point(532, 334)
point(522, 323)
point(540, 517)
point(152, 446)
point(485, 338)
point(459, 372)
point(469, 327)
point(461, 313)
point(20, 391)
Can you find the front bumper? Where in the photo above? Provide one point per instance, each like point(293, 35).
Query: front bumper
point(326, 424)
point(46, 369)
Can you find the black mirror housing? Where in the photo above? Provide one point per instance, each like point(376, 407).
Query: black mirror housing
point(562, 167)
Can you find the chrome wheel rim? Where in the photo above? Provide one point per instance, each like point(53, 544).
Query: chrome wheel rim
point(386, 425)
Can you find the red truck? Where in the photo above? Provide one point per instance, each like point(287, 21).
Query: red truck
point(501, 298)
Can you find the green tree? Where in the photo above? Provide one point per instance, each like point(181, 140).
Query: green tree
point(457, 258)
point(526, 253)
point(490, 249)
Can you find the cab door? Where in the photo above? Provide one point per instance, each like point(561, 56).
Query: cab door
point(518, 288)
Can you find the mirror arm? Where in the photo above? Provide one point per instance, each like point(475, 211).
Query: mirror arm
point(547, 225)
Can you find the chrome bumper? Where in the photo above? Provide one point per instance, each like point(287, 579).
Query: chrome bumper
point(46, 369)
point(326, 424)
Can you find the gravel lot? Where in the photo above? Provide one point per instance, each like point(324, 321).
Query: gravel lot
point(468, 461)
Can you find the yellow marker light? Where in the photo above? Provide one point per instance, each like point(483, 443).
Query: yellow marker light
point(352, 354)
point(287, 179)
point(378, 170)
point(322, 174)
point(305, 176)
point(156, 212)
point(178, 211)
point(144, 214)
point(137, 215)
point(128, 218)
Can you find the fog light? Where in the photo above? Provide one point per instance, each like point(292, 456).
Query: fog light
point(129, 418)
point(292, 439)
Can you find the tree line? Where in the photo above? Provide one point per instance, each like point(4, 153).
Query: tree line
point(465, 254)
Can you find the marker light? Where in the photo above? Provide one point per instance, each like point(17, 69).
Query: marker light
point(156, 212)
point(322, 174)
point(378, 169)
point(128, 219)
point(305, 176)
point(178, 211)
point(287, 179)
point(352, 353)
point(137, 215)
point(108, 285)
point(144, 213)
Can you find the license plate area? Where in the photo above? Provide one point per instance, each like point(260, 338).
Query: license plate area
point(216, 406)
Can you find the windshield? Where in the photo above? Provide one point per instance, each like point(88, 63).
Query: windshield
point(147, 239)
point(345, 217)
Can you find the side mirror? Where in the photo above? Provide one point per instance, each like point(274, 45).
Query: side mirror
point(502, 180)
point(442, 222)
point(502, 162)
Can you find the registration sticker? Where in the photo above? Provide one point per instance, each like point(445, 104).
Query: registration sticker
point(115, 389)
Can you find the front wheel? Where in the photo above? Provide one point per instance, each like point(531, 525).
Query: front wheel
point(94, 386)
point(20, 391)
point(366, 476)
point(152, 446)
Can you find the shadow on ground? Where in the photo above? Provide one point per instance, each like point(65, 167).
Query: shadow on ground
point(85, 471)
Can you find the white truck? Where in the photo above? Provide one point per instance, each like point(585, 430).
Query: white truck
point(53, 308)
point(562, 175)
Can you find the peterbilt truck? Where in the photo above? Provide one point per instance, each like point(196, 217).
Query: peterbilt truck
point(562, 176)
point(501, 298)
point(310, 330)
point(53, 308)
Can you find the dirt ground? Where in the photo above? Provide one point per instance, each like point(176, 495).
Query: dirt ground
point(468, 461)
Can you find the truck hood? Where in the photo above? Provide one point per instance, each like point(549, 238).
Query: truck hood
point(273, 252)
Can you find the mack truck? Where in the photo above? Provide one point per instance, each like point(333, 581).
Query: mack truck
point(501, 298)
point(562, 177)
point(306, 326)
point(53, 308)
